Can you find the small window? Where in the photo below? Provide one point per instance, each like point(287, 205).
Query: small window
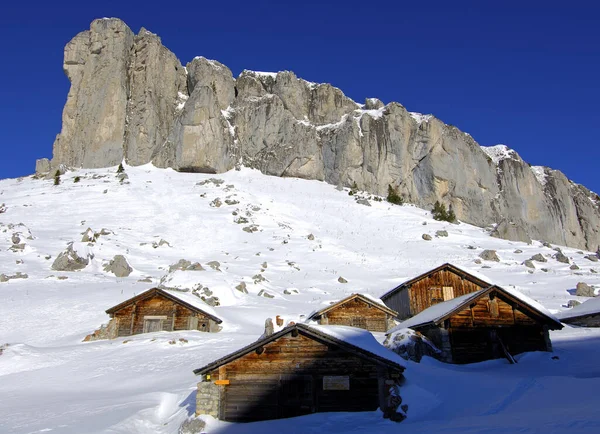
point(448, 292)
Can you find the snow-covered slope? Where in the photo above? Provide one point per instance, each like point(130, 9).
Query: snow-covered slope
point(258, 232)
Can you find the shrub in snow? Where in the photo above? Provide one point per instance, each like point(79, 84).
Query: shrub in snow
point(120, 169)
point(439, 212)
point(57, 177)
point(393, 196)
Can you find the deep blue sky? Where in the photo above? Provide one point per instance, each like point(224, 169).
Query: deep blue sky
point(523, 73)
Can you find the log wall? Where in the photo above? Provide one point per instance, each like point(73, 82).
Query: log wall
point(434, 289)
point(357, 313)
point(297, 375)
point(130, 319)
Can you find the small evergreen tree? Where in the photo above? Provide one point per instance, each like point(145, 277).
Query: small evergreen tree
point(440, 213)
point(77, 179)
point(353, 189)
point(57, 177)
point(393, 196)
point(120, 169)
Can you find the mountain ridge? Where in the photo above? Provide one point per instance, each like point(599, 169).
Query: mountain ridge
point(131, 99)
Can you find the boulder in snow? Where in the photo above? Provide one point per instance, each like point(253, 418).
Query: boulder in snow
point(118, 266)
point(489, 255)
point(584, 290)
point(69, 260)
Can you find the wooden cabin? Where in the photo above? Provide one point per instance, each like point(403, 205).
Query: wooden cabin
point(299, 370)
point(162, 310)
point(487, 324)
point(359, 311)
point(586, 314)
point(435, 286)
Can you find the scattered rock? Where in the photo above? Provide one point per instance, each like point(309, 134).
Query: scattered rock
point(145, 280)
point(215, 181)
point(118, 266)
point(216, 203)
point(489, 255)
point(342, 280)
point(264, 265)
point(231, 202)
point(411, 345)
point(192, 426)
point(560, 257)
point(269, 328)
point(241, 220)
point(539, 258)
point(477, 261)
point(258, 278)
point(16, 239)
point(264, 293)
point(518, 251)
point(528, 263)
point(122, 177)
point(592, 258)
point(214, 265)
point(17, 247)
point(574, 267)
point(89, 236)
point(160, 243)
point(182, 264)
point(545, 270)
point(593, 271)
point(584, 290)
point(250, 229)
point(62, 277)
point(290, 291)
point(471, 247)
point(69, 260)
point(242, 288)
point(18, 275)
point(363, 201)
point(573, 303)
point(311, 237)
point(545, 244)
point(426, 237)
point(2, 208)
point(441, 233)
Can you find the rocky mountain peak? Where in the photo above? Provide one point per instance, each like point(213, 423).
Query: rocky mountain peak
point(132, 99)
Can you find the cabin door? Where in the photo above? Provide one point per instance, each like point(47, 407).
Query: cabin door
point(152, 325)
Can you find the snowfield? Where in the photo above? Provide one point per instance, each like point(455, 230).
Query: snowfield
point(258, 232)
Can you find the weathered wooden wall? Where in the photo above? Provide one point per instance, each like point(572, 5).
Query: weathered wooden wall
point(285, 378)
point(358, 313)
point(130, 319)
point(431, 290)
point(472, 331)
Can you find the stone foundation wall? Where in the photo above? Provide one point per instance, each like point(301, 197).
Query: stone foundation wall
point(208, 399)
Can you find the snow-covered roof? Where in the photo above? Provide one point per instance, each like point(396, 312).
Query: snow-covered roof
point(360, 338)
point(366, 297)
point(353, 339)
point(589, 307)
point(192, 300)
point(440, 311)
point(436, 312)
point(185, 297)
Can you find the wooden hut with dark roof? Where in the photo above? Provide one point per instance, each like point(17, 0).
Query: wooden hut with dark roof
point(487, 324)
point(441, 284)
point(357, 310)
point(587, 314)
point(300, 370)
point(162, 310)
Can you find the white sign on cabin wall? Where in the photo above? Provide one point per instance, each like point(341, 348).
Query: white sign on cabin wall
point(336, 382)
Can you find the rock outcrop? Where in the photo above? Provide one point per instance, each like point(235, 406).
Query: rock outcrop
point(131, 99)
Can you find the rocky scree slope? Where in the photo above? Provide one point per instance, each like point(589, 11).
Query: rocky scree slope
point(130, 98)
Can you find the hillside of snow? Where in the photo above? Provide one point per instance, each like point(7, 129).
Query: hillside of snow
point(293, 243)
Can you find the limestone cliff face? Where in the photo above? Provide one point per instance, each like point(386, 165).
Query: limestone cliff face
point(131, 99)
